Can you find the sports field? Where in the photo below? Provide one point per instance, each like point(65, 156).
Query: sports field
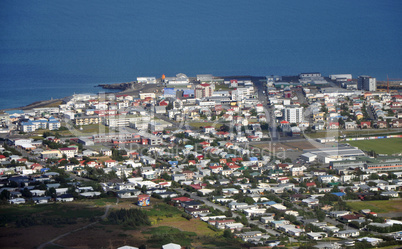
point(380, 146)
point(377, 206)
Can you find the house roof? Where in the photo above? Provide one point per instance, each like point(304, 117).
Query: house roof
point(182, 199)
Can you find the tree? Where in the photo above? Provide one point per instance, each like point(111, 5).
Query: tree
point(320, 214)
point(341, 122)
point(228, 213)
point(26, 193)
point(5, 195)
point(52, 192)
point(324, 109)
point(74, 161)
point(227, 234)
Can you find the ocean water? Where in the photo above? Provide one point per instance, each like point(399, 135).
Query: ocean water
point(51, 49)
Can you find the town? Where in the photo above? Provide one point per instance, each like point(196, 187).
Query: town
point(305, 161)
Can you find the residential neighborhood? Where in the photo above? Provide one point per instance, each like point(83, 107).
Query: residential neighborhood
point(270, 161)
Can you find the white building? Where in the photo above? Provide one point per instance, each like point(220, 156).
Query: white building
point(146, 80)
point(180, 79)
point(293, 114)
point(367, 83)
point(340, 77)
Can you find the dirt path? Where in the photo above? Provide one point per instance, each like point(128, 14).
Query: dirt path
point(51, 242)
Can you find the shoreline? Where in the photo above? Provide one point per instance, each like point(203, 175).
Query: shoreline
point(49, 102)
point(123, 87)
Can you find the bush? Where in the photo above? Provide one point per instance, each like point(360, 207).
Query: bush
point(129, 217)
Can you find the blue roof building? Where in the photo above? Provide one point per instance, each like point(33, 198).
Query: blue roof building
point(169, 92)
point(339, 194)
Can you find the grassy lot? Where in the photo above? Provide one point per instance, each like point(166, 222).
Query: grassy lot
point(76, 131)
point(377, 206)
point(380, 146)
point(198, 124)
point(168, 226)
point(358, 133)
point(193, 225)
point(162, 209)
point(222, 87)
point(93, 128)
point(104, 201)
point(158, 236)
point(9, 214)
point(164, 235)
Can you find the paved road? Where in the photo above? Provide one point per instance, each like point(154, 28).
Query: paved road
point(268, 110)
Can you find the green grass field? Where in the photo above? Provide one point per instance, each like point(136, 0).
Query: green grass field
point(377, 206)
point(380, 146)
point(163, 209)
point(222, 87)
point(354, 133)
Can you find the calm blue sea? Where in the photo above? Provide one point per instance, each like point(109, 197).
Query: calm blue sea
point(55, 48)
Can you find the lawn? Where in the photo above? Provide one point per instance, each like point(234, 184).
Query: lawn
point(377, 206)
point(380, 146)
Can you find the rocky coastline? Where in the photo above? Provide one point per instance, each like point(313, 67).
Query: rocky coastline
point(117, 86)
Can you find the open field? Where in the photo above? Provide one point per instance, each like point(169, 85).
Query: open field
point(222, 87)
point(87, 130)
point(278, 147)
point(203, 124)
point(167, 226)
point(66, 210)
point(377, 206)
point(300, 145)
point(28, 226)
point(354, 133)
point(193, 225)
point(380, 146)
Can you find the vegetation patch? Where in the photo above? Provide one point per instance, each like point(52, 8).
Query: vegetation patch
point(104, 201)
point(193, 225)
point(380, 146)
point(377, 206)
point(131, 218)
point(164, 235)
point(53, 214)
point(203, 124)
point(163, 209)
